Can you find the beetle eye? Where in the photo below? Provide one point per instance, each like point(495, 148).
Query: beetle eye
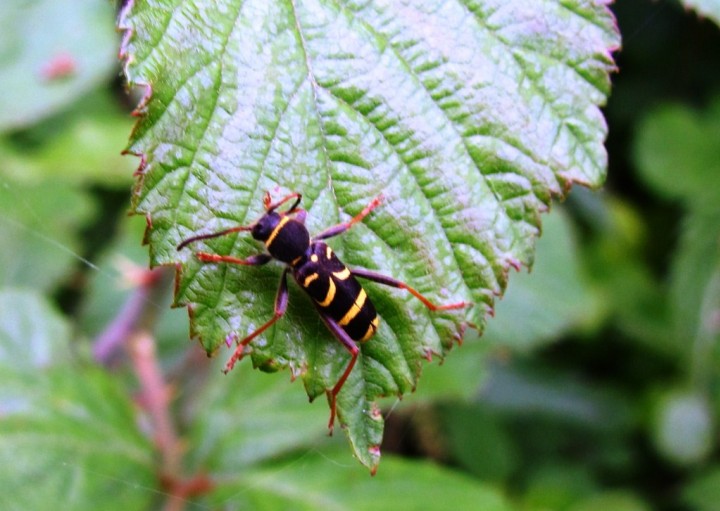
point(262, 229)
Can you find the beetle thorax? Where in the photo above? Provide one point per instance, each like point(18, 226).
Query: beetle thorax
point(285, 238)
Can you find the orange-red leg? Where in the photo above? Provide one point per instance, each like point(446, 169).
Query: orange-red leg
point(281, 301)
point(389, 281)
point(350, 345)
point(341, 228)
point(255, 260)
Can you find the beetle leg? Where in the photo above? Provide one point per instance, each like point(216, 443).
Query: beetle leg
point(281, 301)
point(341, 228)
point(350, 345)
point(389, 281)
point(254, 260)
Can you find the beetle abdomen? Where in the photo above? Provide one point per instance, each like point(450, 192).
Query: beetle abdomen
point(336, 292)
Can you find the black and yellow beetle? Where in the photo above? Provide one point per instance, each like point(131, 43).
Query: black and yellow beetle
point(338, 296)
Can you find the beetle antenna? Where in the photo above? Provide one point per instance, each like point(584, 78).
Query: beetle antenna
point(269, 207)
point(193, 239)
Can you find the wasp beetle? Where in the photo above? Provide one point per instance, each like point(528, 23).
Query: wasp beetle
point(338, 297)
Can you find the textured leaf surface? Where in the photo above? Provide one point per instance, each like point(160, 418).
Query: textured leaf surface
point(519, 324)
point(468, 116)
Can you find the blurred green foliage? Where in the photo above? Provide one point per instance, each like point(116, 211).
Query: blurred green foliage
point(602, 391)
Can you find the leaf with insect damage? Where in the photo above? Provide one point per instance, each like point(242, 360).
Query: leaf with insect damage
point(468, 116)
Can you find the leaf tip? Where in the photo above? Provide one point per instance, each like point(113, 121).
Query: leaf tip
point(374, 452)
point(428, 354)
point(514, 263)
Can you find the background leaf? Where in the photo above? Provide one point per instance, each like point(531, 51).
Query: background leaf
point(324, 480)
point(675, 140)
point(79, 145)
point(65, 436)
point(557, 281)
point(267, 418)
point(703, 493)
point(51, 53)
point(675, 153)
point(32, 333)
point(619, 500)
point(110, 291)
point(40, 226)
point(467, 117)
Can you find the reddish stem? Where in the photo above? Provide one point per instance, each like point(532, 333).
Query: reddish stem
point(155, 399)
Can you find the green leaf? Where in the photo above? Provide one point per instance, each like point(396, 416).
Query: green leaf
point(477, 441)
point(558, 486)
point(245, 418)
point(32, 334)
point(695, 293)
point(83, 144)
point(109, 292)
point(325, 481)
point(703, 492)
point(67, 433)
point(557, 282)
point(51, 53)
point(458, 376)
point(616, 500)
point(517, 388)
point(468, 117)
point(39, 226)
point(616, 262)
point(677, 153)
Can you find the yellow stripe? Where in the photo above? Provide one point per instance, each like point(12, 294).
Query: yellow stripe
point(277, 229)
point(310, 279)
point(371, 330)
point(330, 296)
point(343, 274)
point(328, 252)
point(354, 308)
